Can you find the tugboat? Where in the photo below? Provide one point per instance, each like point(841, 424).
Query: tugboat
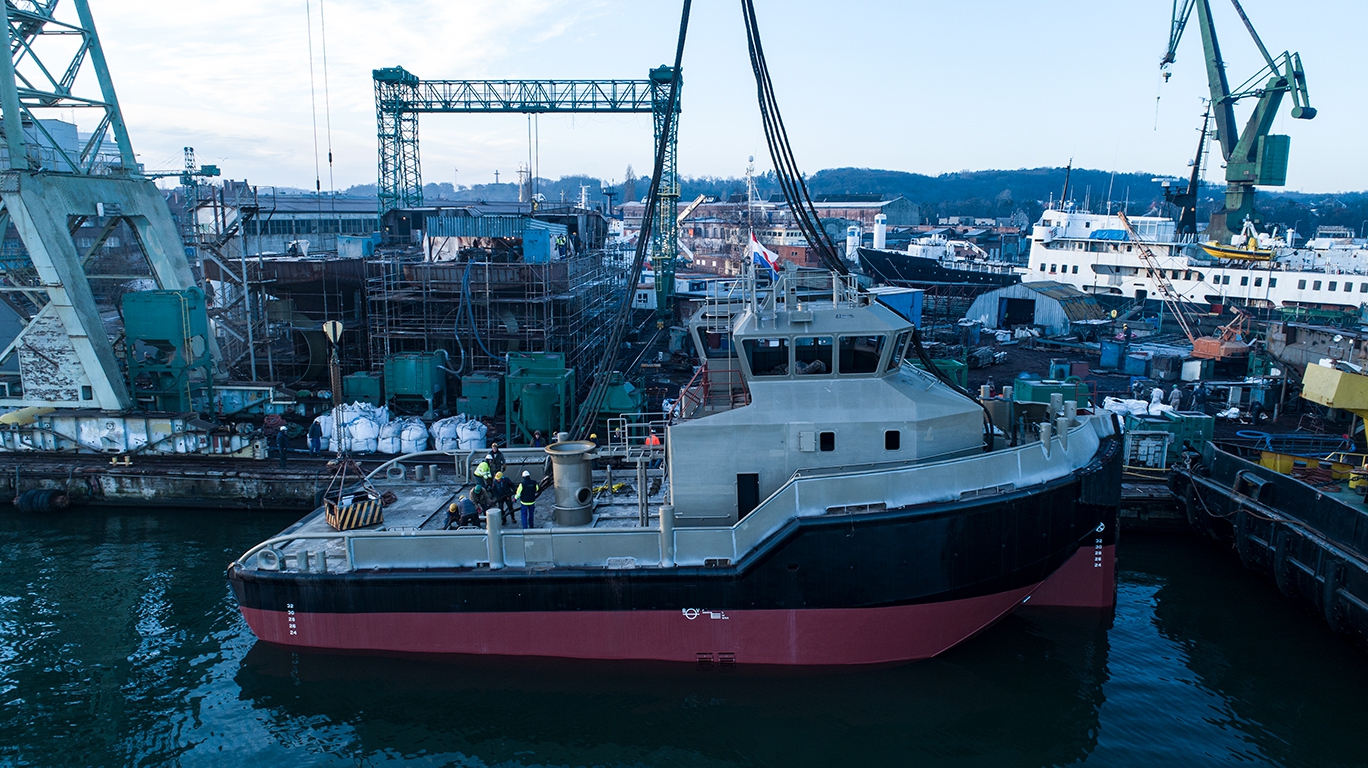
point(811, 498)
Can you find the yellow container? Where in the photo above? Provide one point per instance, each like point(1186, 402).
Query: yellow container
point(1278, 462)
point(1336, 389)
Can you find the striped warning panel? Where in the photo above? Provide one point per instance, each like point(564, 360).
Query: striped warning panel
point(355, 515)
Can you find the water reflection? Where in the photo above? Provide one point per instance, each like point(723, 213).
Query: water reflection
point(120, 644)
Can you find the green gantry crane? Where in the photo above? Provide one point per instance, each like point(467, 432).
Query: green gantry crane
point(1255, 157)
point(400, 96)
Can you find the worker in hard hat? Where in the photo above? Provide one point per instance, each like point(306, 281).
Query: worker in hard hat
point(485, 470)
point(503, 491)
point(527, 499)
point(282, 442)
point(461, 512)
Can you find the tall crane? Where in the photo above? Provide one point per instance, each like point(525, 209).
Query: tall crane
point(1254, 157)
point(1167, 292)
point(1229, 344)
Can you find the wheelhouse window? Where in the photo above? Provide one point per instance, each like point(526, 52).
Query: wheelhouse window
point(892, 440)
point(716, 345)
point(826, 441)
point(767, 357)
point(860, 354)
point(812, 355)
point(899, 351)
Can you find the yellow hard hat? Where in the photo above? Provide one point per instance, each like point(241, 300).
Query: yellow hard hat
point(498, 475)
point(452, 507)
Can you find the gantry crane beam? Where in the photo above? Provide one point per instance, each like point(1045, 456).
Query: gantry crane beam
point(400, 96)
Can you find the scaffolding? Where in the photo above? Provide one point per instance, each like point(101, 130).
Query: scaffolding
point(479, 311)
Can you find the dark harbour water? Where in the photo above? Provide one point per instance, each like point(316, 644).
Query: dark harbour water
point(120, 644)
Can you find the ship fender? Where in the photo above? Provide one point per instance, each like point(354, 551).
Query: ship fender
point(42, 500)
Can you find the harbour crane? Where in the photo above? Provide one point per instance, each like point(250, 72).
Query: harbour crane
point(1231, 341)
point(1167, 292)
point(1254, 157)
point(689, 209)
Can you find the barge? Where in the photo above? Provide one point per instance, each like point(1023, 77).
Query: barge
point(812, 498)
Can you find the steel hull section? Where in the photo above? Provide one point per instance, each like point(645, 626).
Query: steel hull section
point(901, 268)
point(811, 637)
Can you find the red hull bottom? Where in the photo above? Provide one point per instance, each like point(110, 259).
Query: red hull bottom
point(790, 637)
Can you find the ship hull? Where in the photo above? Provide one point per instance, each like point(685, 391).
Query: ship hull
point(863, 588)
point(814, 637)
point(899, 268)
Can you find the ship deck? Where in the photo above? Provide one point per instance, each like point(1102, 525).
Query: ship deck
point(422, 507)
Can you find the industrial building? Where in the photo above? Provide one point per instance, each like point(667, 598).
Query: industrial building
point(1055, 308)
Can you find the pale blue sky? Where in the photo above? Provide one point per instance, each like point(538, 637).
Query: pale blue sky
point(928, 87)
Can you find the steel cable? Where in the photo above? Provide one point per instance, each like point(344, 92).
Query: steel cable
point(593, 402)
point(786, 169)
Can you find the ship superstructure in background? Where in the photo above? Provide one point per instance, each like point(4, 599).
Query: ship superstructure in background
point(811, 499)
point(931, 261)
point(1092, 252)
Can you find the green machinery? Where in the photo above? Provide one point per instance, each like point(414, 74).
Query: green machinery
point(363, 387)
point(415, 379)
point(539, 395)
point(1039, 391)
point(622, 397)
point(479, 395)
point(1189, 427)
point(1254, 157)
point(170, 364)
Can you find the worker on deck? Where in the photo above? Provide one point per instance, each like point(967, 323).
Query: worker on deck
point(652, 440)
point(484, 470)
point(496, 459)
point(527, 500)
point(462, 512)
point(1176, 398)
point(282, 444)
point(482, 496)
point(315, 438)
point(503, 491)
point(537, 441)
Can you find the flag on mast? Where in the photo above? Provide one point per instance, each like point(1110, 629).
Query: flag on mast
point(764, 257)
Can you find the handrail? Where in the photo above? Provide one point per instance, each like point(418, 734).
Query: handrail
point(746, 523)
point(686, 390)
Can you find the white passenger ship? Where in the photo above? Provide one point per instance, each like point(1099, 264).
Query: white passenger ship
point(1093, 253)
